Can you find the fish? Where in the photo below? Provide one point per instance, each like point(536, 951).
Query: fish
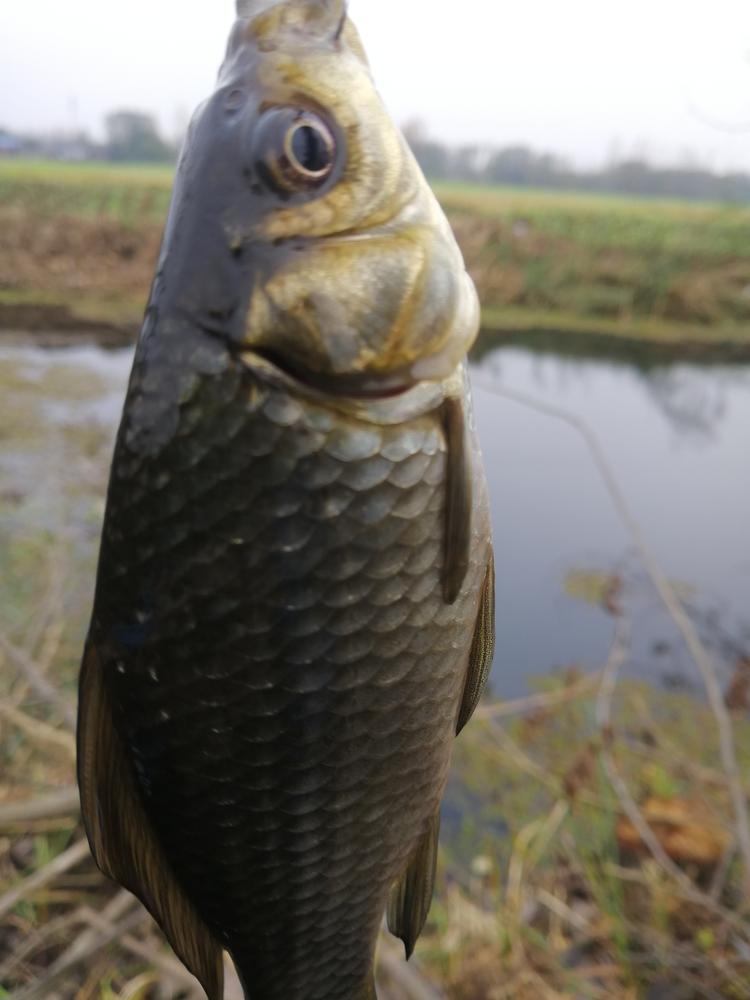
point(294, 606)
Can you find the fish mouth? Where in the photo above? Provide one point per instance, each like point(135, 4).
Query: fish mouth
point(360, 387)
point(278, 368)
point(387, 399)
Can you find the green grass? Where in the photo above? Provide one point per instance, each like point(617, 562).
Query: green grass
point(662, 271)
point(131, 194)
point(660, 332)
point(654, 270)
point(54, 171)
point(611, 222)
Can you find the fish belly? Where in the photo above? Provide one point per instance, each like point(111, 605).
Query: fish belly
point(283, 669)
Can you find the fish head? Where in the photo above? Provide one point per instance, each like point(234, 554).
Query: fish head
point(301, 227)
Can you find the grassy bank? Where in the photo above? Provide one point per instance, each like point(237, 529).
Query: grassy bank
point(665, 271)
point(78, 243)
point(132, 194)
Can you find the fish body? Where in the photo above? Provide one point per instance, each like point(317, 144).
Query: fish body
point(293, 612)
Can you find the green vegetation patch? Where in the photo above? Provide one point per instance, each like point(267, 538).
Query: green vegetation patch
point(130, 194)
point(662, 271)
point(547, 887)
point(653, 270)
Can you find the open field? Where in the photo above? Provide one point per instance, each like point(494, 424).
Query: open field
point(78, 244)
point(129, 194)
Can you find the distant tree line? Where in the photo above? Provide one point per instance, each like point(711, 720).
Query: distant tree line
point(133, 136)
point(522, 167)
point(130, 137)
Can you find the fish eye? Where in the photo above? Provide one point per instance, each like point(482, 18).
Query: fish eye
point(294, 150)
point(310, 147)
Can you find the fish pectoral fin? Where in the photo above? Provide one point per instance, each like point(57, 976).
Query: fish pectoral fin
point(458, 500)
point(122, 840)
point(410, 898)
point(482, 649)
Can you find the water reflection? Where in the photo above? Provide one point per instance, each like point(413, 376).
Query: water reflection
point(692, 403)
point(678, 438)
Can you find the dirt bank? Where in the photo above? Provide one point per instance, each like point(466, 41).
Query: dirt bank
point(72, 275)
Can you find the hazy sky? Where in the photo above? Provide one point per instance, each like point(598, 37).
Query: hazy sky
point(585, 78)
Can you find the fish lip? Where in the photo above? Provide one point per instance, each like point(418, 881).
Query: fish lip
point(390, 405)
point(419, 400)
point(357, 388)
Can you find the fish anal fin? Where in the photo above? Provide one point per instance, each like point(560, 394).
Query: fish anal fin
point(122, 840)
point(482, 649)
point(410, 898)
point(459, 496)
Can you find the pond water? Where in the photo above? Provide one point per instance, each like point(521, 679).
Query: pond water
point(677, 436)
point(678, 439)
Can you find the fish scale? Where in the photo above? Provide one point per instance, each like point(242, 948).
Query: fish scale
point(285, 844)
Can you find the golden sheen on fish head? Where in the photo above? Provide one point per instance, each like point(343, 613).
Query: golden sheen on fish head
point(302, 228)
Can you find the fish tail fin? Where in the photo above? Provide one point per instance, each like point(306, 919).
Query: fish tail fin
point(122, 840)
point(410, 898)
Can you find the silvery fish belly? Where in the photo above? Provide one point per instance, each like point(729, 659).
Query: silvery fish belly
point(294, 606)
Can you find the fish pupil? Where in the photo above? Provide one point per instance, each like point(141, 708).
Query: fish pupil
point(311, 149)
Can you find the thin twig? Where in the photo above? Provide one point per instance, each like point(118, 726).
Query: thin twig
point(34, 675)
point(538, 702)
point(85, 948)
point(528, 847)
point(522, 759)
point(103, 920)
point(719, 880)
point(671, 602)
point(167, 965)
point(50, 604)
point(40, 731)
point(62, 863)
point(670, 753)
point(37, 939)
point(561, 909)
point(57, 805)
point(618, 655)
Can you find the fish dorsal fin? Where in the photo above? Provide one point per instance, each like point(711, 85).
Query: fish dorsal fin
point(482, 648)
point(121, 837)
point(458, 501)
point(410, 898)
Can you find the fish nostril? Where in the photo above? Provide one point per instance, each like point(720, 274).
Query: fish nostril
point(234, 99)
point(222, 315)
